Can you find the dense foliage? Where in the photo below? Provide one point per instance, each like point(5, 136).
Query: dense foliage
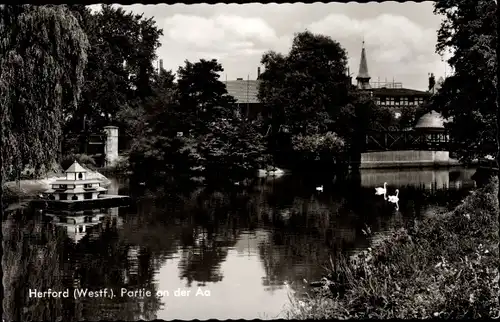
point(469, 32)
point(470, 96)
point(186, 122)
point(202, 96)
point(120, 69)
point(193, 127)
point(305, 89)
point(43, 54)
point(305, 93)
point(123, 60)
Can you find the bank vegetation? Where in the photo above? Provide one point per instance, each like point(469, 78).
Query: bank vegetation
point(443, 266)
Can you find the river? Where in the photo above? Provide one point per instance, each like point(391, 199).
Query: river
point(233, 249)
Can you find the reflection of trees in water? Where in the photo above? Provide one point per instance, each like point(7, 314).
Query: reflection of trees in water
point(108, 262)
point(51, 261)
point(213, 228)
point(200, 226)
point(306, 229)
point(202, 264)
point(313, 232)
point(303, 229)
point(31, 260)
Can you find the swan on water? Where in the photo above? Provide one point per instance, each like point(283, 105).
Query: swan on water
point(274, 172)
point(395, 199)
point(381, 191)
point(320, 188)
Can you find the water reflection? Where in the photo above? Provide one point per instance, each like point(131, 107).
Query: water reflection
point(234, 247)
point(430, 179)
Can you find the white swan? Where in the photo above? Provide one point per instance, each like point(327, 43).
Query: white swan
point(381, 191)
point(394, 198)
point(276, 172)
point(320, 188)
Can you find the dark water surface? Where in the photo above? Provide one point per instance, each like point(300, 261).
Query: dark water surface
point(237, 246)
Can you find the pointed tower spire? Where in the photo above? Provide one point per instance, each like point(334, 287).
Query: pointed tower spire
point(363, 77)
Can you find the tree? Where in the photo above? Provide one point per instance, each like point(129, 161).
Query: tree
point(468, 96)
point(358, 116)
point(305, 89)
point(202, 96)
point(233, 146)
point(120, 68)
point(156, 144)
point(327, 147)
point(218, 140)
point(471, 95)
point(193, 124)
point(137, 113)
point(43, 54)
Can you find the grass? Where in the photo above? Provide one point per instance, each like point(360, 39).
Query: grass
point(445, 267)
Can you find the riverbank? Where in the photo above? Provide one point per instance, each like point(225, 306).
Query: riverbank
point(445, 266)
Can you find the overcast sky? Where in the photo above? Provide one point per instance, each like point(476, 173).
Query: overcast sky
point(400, 38)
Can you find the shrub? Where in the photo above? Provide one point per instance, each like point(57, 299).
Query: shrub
point(82, 159)
point(314, 146)
point(121, 165)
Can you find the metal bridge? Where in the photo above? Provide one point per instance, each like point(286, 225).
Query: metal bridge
point(395, 139)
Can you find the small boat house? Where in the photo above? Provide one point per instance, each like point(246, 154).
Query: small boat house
point(76, 186)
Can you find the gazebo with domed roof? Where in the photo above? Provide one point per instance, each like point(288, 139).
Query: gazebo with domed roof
point(431, 126)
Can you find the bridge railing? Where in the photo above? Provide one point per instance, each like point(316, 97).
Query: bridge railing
point(406, 140)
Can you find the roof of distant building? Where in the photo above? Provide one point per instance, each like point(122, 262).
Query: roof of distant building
point(244, 91)
point(75, 168)
point(431, 120)
point(398, 92)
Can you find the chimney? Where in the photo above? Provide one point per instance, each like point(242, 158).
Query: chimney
point(258, 72)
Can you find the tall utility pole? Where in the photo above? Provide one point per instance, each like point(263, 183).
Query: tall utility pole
point(248, 88)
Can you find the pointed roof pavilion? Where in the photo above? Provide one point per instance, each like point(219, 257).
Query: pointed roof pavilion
point(75, 168)
point(363, 77)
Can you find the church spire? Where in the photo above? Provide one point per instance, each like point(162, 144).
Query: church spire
point(363, 77)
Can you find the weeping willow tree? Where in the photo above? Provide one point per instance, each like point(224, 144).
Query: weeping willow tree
point(43, 53)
